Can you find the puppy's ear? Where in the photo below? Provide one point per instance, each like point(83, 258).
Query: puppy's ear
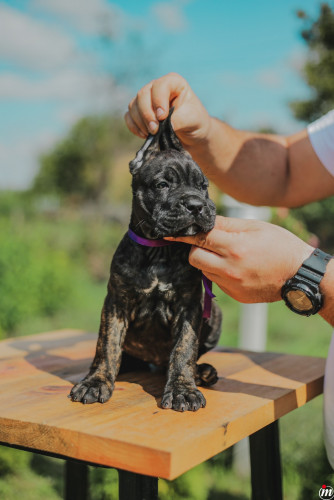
point(151, 144)
point(167, 137)
point(163, 140)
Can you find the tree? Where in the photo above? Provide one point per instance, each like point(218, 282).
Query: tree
point(318, 71)
point(80, 165)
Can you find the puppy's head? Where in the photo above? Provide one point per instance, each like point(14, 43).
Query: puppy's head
point(170, 192)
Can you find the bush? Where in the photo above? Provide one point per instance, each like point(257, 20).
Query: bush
point(318, 218)
point(34, 279)
point(12, 460)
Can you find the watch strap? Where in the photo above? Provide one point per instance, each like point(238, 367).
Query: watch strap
point(314, 267)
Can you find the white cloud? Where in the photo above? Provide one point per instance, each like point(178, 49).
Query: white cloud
point(297, 59)
point(232, 79)
point(170, 15)
point(78, 90)
point(32, 44)
point(88, 16)
point(19, 161)
point(267, 77)
point(64, 85)
point(270, 77)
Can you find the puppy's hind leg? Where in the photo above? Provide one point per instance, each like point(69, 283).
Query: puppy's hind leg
point(206, 375)
point(210, 331)
point(98, 385)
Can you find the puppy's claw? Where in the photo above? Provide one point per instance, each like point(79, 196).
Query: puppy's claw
point(183, 399)
point(92, 390)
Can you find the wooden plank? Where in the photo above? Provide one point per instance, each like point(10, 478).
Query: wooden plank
point(131, 431)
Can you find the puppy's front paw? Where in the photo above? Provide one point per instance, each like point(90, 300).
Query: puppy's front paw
point(92, 389)
point(183, 398)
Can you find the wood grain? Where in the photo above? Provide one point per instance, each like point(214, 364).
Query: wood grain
point(131, 431)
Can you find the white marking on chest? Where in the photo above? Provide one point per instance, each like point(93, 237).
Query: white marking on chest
point(154, 284)
point(162, 287)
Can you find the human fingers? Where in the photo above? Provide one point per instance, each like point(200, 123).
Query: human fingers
point(220, 235)
point(152, 102)
point(235, 225)
point(213, 263)
point(164, 91)
point(205, 260)
point(132, 126)
point(215, 240)
point(136, 115)
point(215, 278)
point(144, 107)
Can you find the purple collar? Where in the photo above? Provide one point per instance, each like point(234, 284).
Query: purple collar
point(148, 243)
point(163, 243)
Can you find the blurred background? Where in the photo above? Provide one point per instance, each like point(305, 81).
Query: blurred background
point(68, 69)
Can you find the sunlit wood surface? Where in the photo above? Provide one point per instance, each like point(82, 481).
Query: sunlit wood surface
point(131, 431)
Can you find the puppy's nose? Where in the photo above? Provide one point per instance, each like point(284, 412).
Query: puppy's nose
point(193, 204)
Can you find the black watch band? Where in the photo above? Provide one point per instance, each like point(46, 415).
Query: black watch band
point(301, 293)
point(314, 267)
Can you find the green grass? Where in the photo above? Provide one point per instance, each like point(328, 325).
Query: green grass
point(29, 476)
point(83, 312)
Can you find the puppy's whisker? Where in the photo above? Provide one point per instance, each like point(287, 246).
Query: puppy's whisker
point(139, 223)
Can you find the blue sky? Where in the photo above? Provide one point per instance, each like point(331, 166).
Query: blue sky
point(241, 57)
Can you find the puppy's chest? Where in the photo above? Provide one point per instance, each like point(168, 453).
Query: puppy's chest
point(154, 298)
point(152, 283)
point(157, 285)
point(161, 276)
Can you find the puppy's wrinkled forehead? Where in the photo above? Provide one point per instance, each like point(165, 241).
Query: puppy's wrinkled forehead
point(163, 152)
point(174, 166)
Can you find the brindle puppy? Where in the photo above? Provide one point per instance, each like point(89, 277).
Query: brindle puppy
point(153, 309)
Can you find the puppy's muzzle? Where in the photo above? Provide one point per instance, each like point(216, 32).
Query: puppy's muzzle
point(194, 205)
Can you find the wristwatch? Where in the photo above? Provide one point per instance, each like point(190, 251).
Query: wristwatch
point(301, 293)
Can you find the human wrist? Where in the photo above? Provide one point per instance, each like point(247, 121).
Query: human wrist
point(306, 292)
point(327, 289)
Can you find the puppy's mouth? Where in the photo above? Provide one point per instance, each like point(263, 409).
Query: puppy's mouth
point(183, 227)
point(193, 229)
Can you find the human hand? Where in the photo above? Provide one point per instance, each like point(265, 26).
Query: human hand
point(190, 120)
point(249, 260)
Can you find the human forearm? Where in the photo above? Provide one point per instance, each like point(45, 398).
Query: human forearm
point(251, 167)
point(262, 169)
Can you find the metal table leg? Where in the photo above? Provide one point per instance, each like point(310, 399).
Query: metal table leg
point(266, 463)
point(137, 487)
point(76, 480)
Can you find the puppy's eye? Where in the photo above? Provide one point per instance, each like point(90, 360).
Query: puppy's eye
point(205, 186)
point(161, 185)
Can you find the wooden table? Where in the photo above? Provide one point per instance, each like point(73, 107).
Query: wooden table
point(131, 432)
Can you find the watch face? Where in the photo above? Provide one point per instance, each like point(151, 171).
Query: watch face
point(299, 300)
